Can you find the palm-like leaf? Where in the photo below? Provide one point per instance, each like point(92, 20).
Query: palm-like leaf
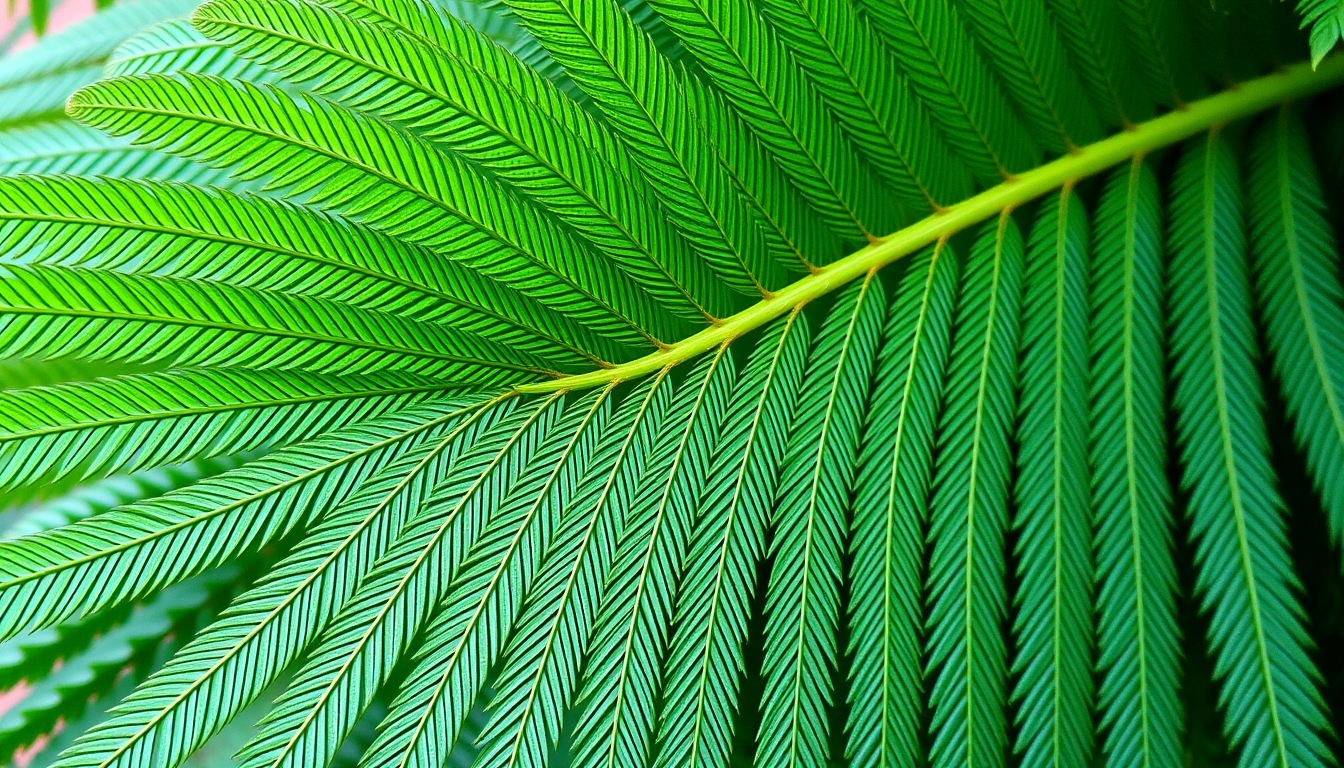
point(482, 337)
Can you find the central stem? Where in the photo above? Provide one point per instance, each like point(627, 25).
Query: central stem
point(1240, 101)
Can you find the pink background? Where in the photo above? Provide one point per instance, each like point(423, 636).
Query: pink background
point(66, 13)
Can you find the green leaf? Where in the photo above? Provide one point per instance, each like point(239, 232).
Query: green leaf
point(938, 55)
point(769, 91)
point(176, 46)
point(129, 423)
point(63, 146)
point(713, 605)
point(1138, 641)
point(468, 635)
point(890, 513)
point(967, 596)
point(123, 554)
point(1269, 686)
point(1053, 515)
point(392, 604)
point(1297, 279)
point(229, 664)
point(1093, 34)
point(189, 232)
point(543, 660)
point(639, 93)
point(810, 518)
point(630, 635)
point(460, 106)
point(1326, 18)
point(106, 316)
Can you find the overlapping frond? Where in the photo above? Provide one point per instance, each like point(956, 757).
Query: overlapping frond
point(1138, 650)
point(1298, 281)
point(1245, 578)
point(176, 46)
point(714, 602)
point(890, 512)
point(1053, 505)
point(128, 423)
point(1094, 36)
point(810, 516)
point(62, 146)
point(967, 596)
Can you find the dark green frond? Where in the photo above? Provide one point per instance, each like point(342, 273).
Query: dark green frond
point(1093, 34)
point(1269, 685)
point(714, 602)
point(639, 92)
point(810, 519)
point(935, 50)
point(757, 74)
point(1021, 41)
point(871, 100)
point(1053, 513)
point(1297, 278)
point(1153, 29)
point(1138, 640)
point(967, 596)
point(890, 513)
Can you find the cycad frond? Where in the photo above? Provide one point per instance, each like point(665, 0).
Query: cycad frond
point(1053, 657)
point(938, 56)
point(1326, 18)
point(474, 620)
point(129, 423)
point(759, 77)
point(1270, 685)
point(268, 627)
point(968, 600)
point(890, 513)
point(107, 316)
point(1095, 39)
point(1136, 577)
point(1297, 278)
point(629, 636)
point(714, 604)
point(62, 146)
point(461, 107)
point(176, 46)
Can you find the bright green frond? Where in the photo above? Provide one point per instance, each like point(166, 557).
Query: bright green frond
point(375, 628)
point(1269, 685)
point(1326, 18)
point(460, 107)
point(1053, 513)
point(106, 316)
point(124, 424)
point(231, 662)
point(191, 232)
point(630, 636)
point(871, 100)
point(1021, 41)
point(331, 157)
point(714, 601)
point(890, 513)
point(967, 596)
point(467, 638)
point(757, 74)
point(124, 554)
point(810, 519)
point(935, 50)
point(638, 91)
point(1297, 278)
point(541, 667)
point(1136, 578)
